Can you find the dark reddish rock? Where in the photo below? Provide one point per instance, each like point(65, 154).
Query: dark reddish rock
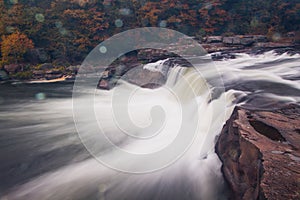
point(145, 78)
point(13, 68)
point(260, 151)
point(138, 76)
point(245, 40)
point(153, 55)
point(103, 84)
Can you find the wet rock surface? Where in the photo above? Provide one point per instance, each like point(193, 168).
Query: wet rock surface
point(130, 68)
point(260, 151)
point(13, 68)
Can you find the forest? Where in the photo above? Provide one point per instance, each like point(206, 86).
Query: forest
point(69, 29)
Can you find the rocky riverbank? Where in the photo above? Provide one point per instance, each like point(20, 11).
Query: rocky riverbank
point(41, 72)
point(260, 151)
point(220, 48)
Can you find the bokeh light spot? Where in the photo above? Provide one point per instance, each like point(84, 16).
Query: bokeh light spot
point(103, 49)
point(58, 24)
point(125, 11)
point(40, 96)
point(63, 31)
point(107, 2)
point(102, 188)
point(276, 36)
point(208, 6)
point(13, 1)
point(163, 23)
point(10, 29)
point(40, 17)
point(119, 23)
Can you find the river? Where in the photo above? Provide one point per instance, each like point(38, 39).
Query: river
point(43, 157)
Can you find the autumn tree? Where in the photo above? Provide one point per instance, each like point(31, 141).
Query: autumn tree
point(286, 15)
point(69, 29)
point(213, 16)
point(14, 46)
point(150, 13)
point(74, 28)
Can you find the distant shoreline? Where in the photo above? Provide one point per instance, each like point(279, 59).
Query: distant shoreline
point(226, 46)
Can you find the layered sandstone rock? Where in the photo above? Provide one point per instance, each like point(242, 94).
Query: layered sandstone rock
point(260, 151)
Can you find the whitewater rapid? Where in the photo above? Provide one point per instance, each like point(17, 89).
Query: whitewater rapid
point(194, 174)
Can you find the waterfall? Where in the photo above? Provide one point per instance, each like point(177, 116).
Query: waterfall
point(174, 74)
point(161, 66)
point(143, 122)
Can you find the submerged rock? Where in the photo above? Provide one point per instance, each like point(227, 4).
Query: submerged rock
point(260, 151)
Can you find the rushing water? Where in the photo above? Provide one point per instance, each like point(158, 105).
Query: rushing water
point(42, 156)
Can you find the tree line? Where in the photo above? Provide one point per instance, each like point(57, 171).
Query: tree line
point(69, 29)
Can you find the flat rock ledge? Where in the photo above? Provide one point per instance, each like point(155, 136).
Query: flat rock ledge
point(260, 152)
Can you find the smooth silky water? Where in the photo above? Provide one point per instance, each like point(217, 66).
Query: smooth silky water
point(42, 156)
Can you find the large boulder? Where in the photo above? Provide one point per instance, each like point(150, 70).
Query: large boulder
point(247, 41)
point(260, 151)
point(136, 75)
point(144, 77)
point(152, 55)
point(239, 40)
point(228, 40)
point(13, 68)
point(214, 39)
point(236, 40)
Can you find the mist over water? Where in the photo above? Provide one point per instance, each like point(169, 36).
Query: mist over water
point(43, 157)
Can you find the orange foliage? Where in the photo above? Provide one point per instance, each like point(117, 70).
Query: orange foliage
point(213, 16)
point(150, 11)
point(14, 46)
point(86, 24)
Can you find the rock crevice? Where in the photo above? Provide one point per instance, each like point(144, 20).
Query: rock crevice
point(260, 153)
